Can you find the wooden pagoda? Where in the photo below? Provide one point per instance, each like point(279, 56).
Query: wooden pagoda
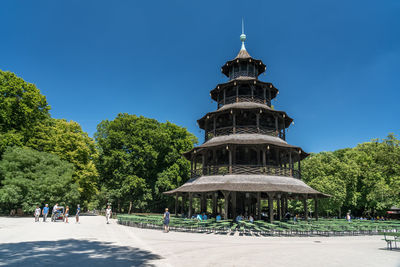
point(245, 158)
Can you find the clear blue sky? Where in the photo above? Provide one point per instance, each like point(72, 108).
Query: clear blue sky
point(336, 63)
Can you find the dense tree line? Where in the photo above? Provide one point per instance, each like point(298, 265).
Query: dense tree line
point(364, 179)
point(134, 159)
point(137, 158)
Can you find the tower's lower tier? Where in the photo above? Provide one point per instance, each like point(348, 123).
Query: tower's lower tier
point(248, 183)
point(243, 195)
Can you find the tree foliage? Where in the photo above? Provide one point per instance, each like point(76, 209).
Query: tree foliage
point(22, 106)
point(139, 158)
point(364, 179)
point(72, 144)
point(31, 178)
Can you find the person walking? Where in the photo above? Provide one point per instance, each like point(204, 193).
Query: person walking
point(78, 212)
point(45, 212)
point(166, 221)
point(66, 214)
point(108, 214)
point(53, 214)
point(37, 213)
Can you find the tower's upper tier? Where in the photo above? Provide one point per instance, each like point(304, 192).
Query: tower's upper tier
point(243, 65)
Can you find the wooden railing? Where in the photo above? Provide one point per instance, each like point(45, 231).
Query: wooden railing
point(246, 169)
point(241, 98)
point(241, 130)
point(242, 73)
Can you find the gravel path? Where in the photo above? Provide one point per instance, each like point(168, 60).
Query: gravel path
point(94, 243)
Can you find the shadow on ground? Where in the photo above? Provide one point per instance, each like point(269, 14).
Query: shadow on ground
point(72, 251)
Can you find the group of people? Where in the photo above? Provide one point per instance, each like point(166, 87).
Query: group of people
point(57, 211)
point(240, 217)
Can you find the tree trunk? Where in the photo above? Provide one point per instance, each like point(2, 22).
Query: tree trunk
point(130, 207)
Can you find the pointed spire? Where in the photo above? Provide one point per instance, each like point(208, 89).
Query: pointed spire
point(243, 36)
point(243, 52)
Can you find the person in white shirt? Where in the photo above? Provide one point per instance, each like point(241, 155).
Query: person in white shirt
point(108, 214)
point(53, 214)
point(37, 213)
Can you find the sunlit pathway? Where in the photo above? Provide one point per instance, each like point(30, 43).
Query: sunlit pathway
point(94, 243)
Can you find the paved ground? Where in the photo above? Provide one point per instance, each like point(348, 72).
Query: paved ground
point(94, 243)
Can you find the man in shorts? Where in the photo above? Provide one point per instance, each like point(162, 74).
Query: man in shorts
point(53, 214)
point(45, 212)
point(108, 214)
point(37, 213)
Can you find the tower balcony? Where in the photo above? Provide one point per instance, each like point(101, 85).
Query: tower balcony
point(244, 98)
point(243, 73)
point(246, 170)
point(251, 129)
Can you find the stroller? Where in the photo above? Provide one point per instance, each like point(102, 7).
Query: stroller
point(58, 215)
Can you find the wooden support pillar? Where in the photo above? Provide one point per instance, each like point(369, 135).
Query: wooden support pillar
point(183, 203)
point(176, 203)
point(269, 97)
point(234, 123)
point(316, 208)
point(278, 208)
point(233, 204)
point(258, 205)
point(264, 157)
point(203, 163)
point(276, 126)
point(258, 122)
point(237, 93)
point(283, 127)
point(286, 204)
point(283, 212)
point(265, 95)
point(224, 96)
point(305, 207)
point(214, 200)
point(271, 207)
point(214, 125)
point(190, 205)
point(230, 160)
point(226, 208)
point(202, 203)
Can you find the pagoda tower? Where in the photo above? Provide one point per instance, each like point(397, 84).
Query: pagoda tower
point(245, 158)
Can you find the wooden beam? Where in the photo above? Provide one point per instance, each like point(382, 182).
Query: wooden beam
point(316, 208)
point(259, 205)
point(190, 204)
point(305, 207)
point(203, 207)
point(183, 203)
point(234, 122)
point(230, 160)
point(270, 207)
point(176, 203)
point(278, 207)
point(226, 208)
point(233, 204)
point(215, 200)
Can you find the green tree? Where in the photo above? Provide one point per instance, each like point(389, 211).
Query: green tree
point(364, 179)
point(72, 144)
point(139, 158)
point(31, 178)
point(22, 106)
